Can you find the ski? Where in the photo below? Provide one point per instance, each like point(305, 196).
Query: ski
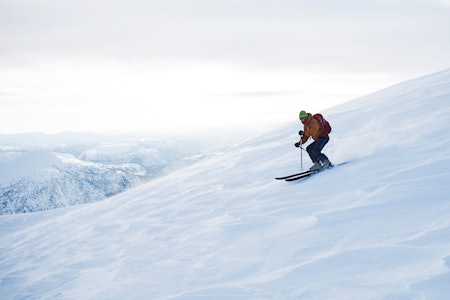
point(293, 175)
point(307, 174)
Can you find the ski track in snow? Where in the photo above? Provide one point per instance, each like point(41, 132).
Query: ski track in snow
point(223, 228)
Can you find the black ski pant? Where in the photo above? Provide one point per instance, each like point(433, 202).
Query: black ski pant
point(315, 148)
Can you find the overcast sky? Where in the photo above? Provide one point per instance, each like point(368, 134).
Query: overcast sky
point(182, 64)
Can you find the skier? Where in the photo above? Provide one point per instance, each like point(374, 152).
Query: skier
point(317, 128)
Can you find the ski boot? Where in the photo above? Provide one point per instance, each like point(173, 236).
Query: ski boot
point(327, 164)
point(315, 167)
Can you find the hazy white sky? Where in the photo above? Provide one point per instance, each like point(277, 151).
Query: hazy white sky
point(180, 64)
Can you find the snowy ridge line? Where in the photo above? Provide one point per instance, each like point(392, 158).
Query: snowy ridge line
point(53, 175)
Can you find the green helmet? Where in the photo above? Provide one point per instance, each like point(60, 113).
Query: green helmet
point(302, 115)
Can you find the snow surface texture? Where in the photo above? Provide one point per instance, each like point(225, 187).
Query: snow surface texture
point(223, 228)
point(37, 174)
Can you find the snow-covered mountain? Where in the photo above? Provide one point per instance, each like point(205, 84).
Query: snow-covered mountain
point(40, 172)
point(38, 180)
point(377, 227)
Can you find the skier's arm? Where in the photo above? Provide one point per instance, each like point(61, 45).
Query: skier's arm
point(305, 137)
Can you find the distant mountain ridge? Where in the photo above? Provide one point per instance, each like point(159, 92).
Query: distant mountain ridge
point(38, 172)
point(56, 180)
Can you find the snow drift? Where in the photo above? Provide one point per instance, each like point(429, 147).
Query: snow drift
point(223, 228)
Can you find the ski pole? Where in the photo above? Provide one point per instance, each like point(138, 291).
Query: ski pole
point(301, 156)
point(301, 133)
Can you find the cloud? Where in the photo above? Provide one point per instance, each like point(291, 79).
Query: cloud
point(259, 94)
point(182, 61)
point(341, 34)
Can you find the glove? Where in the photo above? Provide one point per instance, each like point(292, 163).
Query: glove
point(301, 132)
point(297, 144)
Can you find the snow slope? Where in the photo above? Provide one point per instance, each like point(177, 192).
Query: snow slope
point(223, 228)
